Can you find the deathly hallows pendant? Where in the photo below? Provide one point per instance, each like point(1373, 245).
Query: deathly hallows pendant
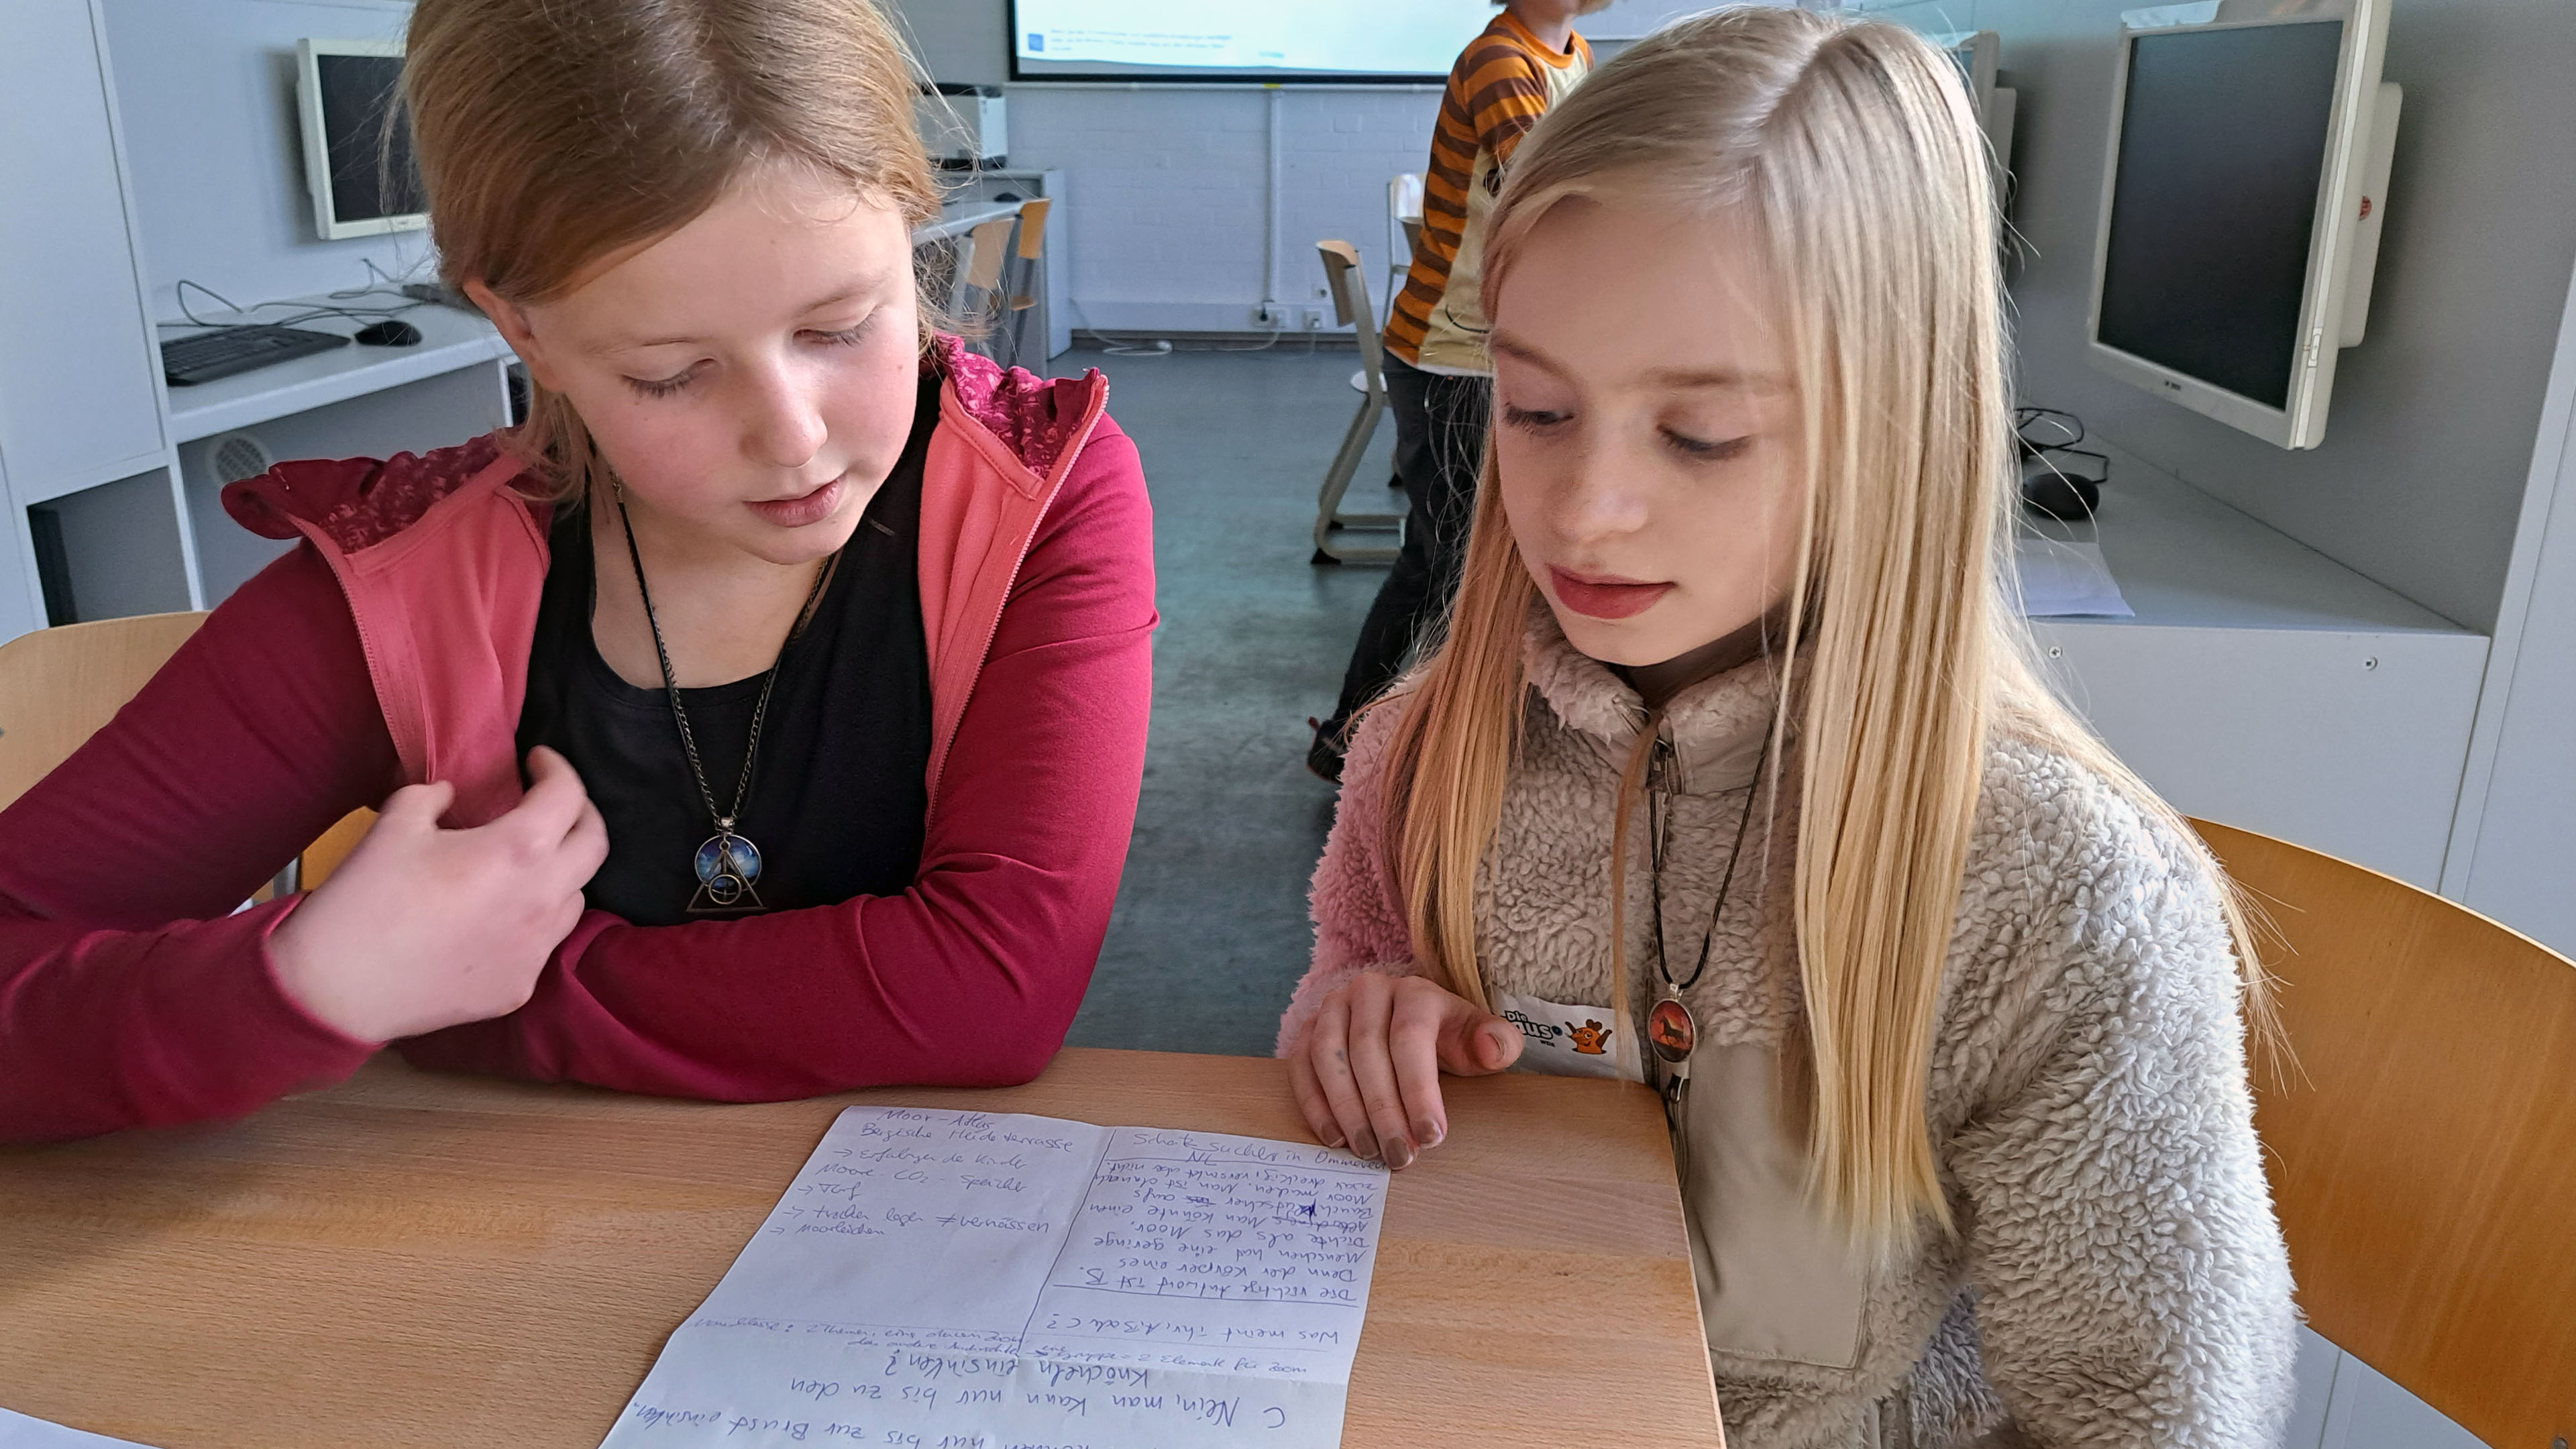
point(1670, 1030)
point(727, 866)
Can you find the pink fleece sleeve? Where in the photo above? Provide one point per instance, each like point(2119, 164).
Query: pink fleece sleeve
point(1359, 915)
point(971, 976)
point(128, 994)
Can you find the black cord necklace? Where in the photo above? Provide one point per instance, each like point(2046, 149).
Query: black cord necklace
point(727, 864)
point(1670, 1028)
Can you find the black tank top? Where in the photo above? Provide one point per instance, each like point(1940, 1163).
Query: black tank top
point(837, 796)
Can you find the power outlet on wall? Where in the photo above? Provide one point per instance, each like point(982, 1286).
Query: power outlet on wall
point(1270, 315)
point(1311, 318)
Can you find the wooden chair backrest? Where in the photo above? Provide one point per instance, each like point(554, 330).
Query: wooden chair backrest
point(1341, 259)
point(987, 245)
point(323, 856)
point(58, 686)
point(1033, 219)
point(2421, 1135)
point(1343, 278)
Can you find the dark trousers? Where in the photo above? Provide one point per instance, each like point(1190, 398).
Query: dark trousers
point(1439, 449)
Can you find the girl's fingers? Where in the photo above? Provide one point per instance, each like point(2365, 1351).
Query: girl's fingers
point(586, 847)
point(1374, 1069)
point(554, 800)
point(417, 805)
point(1310, 1101)
point(1413, 1041)
point(1330, 1055)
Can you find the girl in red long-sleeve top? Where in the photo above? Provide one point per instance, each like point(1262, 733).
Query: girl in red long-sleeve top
point(763, 717)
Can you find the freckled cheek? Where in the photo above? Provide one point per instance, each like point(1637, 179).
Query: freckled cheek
point(870, 420)
point(1530, 492)
point(678, 454)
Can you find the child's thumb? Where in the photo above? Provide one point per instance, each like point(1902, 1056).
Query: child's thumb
point(421, 805)
point(1493, 1043)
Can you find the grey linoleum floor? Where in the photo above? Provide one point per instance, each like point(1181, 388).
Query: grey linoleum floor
point(1210, 931)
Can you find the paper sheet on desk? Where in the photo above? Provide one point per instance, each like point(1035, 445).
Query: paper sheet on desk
point(17, 1431)
point(990, 1281)
point(2061, 579)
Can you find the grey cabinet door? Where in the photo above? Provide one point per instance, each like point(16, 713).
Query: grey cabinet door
point(78, 360)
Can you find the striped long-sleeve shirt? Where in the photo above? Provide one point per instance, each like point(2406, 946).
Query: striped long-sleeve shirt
point(1501, 85)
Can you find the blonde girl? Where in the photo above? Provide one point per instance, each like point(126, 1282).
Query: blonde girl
point(1733, 740)
point(764, 717)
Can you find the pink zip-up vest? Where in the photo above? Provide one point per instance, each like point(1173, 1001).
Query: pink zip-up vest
point(442, 564)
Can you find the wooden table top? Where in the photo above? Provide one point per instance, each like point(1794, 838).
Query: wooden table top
point(411, 1259)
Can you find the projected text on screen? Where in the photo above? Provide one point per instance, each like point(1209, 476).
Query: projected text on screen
point(1178, 39)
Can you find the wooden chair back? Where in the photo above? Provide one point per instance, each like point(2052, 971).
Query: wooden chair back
point(1024, 292)
point(1033, 219)
point(1343, 279)
point(2420, 1130)
point(1341, 259)
point(58, 686)
point(987, 246)
point(324, 855)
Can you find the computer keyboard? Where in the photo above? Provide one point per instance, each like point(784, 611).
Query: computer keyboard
point(223, 351)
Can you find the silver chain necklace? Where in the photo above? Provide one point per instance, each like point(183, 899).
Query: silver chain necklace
point(727, 863)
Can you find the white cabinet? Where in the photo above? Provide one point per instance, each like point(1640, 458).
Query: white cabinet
point(22, 607)
point(79, 365)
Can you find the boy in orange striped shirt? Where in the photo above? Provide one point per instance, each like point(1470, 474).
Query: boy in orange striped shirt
point(1438, 378)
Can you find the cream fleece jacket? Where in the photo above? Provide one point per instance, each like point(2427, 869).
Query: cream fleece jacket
point(2117, 1276)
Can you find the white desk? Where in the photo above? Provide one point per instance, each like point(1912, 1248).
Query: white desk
point(958, 218)
point(450, 340)
point(349, 401)
point(2266, 686)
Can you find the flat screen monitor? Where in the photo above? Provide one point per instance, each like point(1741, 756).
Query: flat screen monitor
point(2222, 261)
point(1977, 54)
point(357, 147)
point(1241, 40)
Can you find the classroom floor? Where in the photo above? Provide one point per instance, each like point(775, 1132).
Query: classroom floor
point(1210, 932)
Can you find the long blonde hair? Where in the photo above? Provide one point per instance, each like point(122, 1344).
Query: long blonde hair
point(1848, 150)
point(554, 133)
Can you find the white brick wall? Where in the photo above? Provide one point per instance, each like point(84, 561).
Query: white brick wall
point(1167, 213)
point(1167, 217)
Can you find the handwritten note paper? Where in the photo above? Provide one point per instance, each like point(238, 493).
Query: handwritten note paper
point(960, 1280)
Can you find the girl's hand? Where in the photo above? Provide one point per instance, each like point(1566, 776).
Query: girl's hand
point(422, 928)
point(1368, 1072)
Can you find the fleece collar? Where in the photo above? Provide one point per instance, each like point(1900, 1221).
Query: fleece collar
point(1715, 726)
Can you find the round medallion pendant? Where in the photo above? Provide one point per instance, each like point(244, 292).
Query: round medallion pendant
point(727, 866)
point(1670, 1030)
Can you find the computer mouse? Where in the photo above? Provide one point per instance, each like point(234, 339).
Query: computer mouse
point(2054, 493)
point(392, 332)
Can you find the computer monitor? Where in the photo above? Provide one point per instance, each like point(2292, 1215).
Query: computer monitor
point(2241, 208)
point(1978, 53)
point(357, 150)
